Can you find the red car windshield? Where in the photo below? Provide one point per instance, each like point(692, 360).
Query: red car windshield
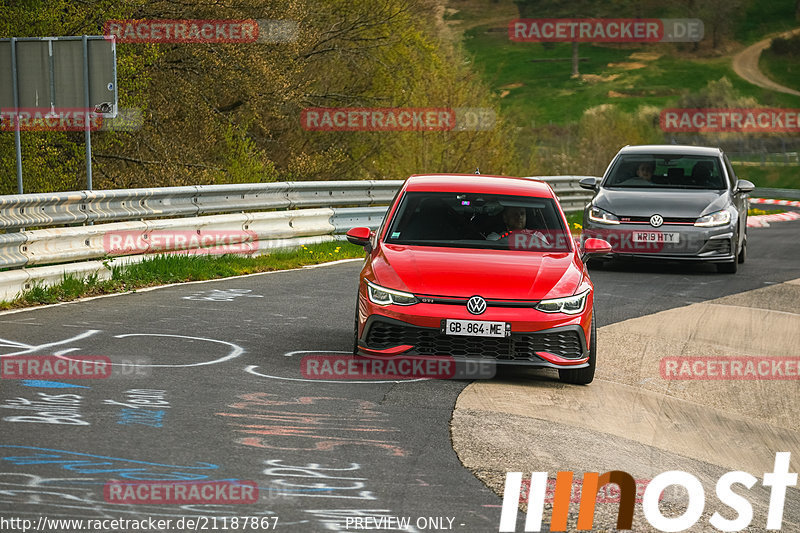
point(472, 220)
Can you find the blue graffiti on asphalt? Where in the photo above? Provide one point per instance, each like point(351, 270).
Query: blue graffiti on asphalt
point(76, 462)
point(51, 384)
point(136, 474)
point(144, 417)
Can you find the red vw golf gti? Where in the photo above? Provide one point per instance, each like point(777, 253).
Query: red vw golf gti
point(478, 268)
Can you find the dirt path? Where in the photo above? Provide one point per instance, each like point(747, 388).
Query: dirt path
point(745, 64)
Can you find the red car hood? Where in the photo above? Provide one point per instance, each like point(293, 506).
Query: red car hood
point(495, 274)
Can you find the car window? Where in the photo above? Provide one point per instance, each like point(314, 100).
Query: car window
point(471, 220)
point(661, 171)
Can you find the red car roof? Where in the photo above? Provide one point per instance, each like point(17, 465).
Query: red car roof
point(479, 183)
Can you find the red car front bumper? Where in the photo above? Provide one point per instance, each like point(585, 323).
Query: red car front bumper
point(554, 340)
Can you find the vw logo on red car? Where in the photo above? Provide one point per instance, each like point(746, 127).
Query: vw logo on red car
point(476, 305)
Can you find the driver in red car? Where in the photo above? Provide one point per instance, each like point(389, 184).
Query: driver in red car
point(516, 222)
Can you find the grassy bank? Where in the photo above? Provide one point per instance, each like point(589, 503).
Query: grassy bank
point(165, 269)
point(536, 89)
point(776, 177)
point(625, 85)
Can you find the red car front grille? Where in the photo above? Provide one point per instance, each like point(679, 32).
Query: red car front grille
point(519, 346)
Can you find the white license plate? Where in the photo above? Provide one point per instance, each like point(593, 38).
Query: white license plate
point(656, 236)
point(475, 328)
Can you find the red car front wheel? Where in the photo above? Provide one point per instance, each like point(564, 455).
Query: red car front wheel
point(583, 376)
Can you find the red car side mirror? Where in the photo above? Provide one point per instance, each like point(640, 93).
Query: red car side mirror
point(595, 247)
point(360, 237)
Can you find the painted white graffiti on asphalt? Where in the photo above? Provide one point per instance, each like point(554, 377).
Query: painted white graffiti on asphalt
point(21, 348)
point(315, 480)
point(47, 409)
point(221, 295)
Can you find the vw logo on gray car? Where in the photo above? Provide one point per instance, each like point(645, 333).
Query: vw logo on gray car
point(656, 220)
point(476, 305)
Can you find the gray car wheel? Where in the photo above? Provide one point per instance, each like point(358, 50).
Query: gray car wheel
point(743, 252)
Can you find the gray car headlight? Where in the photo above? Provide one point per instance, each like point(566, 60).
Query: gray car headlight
point(602, 216)
point(383, 296)
point(717, 218)
point(570, 305)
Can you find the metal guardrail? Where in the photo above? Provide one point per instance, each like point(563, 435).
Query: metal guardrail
point(262, 230)
point(570, 194)
point(264, 216)
point(80, 207)
point(783, 158)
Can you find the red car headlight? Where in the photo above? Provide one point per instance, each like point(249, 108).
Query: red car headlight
point(570, 305)
point(383, 296)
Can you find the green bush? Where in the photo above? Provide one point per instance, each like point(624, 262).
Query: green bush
point(786, 47)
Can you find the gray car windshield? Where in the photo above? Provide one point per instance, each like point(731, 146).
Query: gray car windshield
point(485, 221)
point(661, 171)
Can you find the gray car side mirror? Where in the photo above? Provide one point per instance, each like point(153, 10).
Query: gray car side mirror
point(744, 186)
point(589, 183)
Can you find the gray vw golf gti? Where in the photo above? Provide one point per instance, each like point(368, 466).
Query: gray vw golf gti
point(671, 202)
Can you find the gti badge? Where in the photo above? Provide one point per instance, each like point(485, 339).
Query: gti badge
point(476, 305)
point(656, 220)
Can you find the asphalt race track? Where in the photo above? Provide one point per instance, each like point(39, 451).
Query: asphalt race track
point(208, 386)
